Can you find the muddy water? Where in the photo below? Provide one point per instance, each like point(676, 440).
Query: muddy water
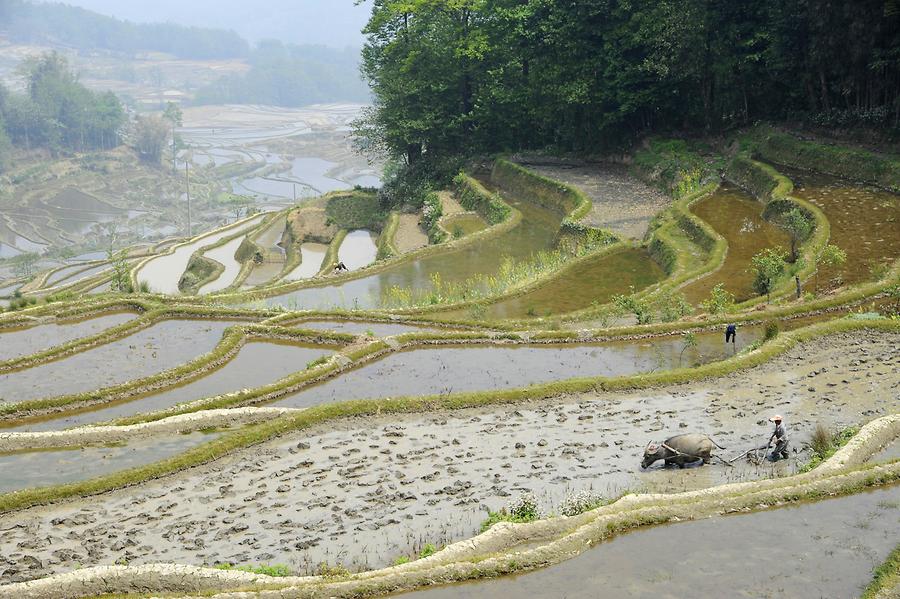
point(163, 273)
point(365, 491)
point(461, 225)
point(22, 470)
point(822, 549)
point(225, 256)
point(358, 249)
point(865, 222)
point(311, 257)
point(21, 342)
point(160, 347)
point(592, 282)
point(536, 232)
point(737, 217)
point(257, 363)
point(361, 327)
point(438, 369)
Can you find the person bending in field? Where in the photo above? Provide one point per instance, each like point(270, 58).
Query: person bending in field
point(340, 266)
point(731, 334)
point(780, 439)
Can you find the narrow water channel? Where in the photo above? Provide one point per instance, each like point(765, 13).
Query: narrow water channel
point(809, 551)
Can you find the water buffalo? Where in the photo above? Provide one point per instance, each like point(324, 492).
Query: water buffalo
point(681, 450)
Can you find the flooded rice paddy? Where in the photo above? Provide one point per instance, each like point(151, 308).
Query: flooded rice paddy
point(311, 257)
point(257, 363)
point(460, 225)
point(365, 491)
point(22, 342)
point(358, 249)
point(163, 345)
point(823, 549)
point(865, 223)
point(736, 216)
point(163, 273)
point(436, 370)
point(536, 232)
point(21, 470)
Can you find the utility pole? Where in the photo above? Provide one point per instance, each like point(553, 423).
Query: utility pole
point(187, 187)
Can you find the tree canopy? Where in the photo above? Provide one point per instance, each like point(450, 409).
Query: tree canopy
point(57, 112)
point(486, 75)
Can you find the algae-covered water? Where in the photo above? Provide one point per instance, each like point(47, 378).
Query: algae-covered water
point(737, 217)
point(865, 223)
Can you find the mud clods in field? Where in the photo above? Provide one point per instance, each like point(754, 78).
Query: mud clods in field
point(365, 491)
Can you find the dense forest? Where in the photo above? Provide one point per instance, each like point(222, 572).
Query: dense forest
point(56, 112)
point(290, 75)
point(52, 23)
point(484, 75)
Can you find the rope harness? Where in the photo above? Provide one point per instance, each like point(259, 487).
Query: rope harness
point(695, 457)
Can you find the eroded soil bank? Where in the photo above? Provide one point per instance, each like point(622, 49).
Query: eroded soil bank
point(808, 551)
point(367, 491)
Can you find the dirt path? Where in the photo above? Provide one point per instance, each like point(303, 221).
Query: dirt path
point(366, 491)
point(450, 204)
point(409, 235)
point(622, 203)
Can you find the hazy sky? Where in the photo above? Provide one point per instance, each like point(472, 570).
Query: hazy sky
point(335, 23)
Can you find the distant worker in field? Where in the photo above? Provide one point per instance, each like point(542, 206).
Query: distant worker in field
point(779, 438)
point(340, 266)
point(731, 334)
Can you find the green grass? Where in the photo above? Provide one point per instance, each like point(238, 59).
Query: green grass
point(355, 210)
point(886, 576)
point(823, 448)
point(275, 570)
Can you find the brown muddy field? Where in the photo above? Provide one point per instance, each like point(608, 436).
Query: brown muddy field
point(621, 203)
point(366, 491)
